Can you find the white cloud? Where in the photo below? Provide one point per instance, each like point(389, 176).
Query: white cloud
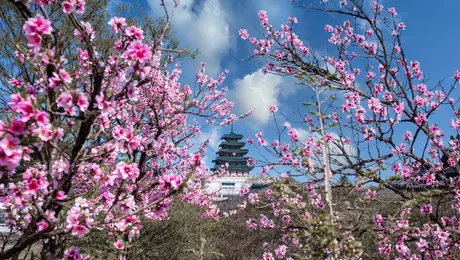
point(303, 134)
point(206, 29)
point(213, 135)
point(339, 152)
point(257, 91)
point(214, 139)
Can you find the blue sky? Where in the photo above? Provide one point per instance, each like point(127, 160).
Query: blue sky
point(212, 26)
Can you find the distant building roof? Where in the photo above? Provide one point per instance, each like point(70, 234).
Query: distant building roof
point(232, 135)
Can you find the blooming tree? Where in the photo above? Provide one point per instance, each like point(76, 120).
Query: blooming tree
point(103, 142)
point(395, 122)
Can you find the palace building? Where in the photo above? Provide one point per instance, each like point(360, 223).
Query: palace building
point(230, 167)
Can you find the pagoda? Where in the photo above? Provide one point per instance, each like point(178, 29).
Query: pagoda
point(232, 154)
point(231, 172)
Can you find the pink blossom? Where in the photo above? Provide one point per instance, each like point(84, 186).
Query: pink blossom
point(59, 79)
point(419, 101)
point(273, 108)
point(118, 244)
point(41, 118)
point(32, 187)
point(374, 104)
point(15, 82)
point(293, 134)
point(161, 209)
point(45, 133)
point(61, 195)
point(263, 18)
point(16, 127)
point(268, 256)
point(82, 102)
point(421, 88)
point(378, 220)
point(422, 245)
point(265, 222)
point(72, 254)
point(10, 145)
point(38, 25)
point(243, 34)
point(426, 209)
point(457, 75)
point(329, 137)
point(442, 235)
point(281, 251)
point(420, 119)
point(392, 11)
point(127, 171)
point(118, 24)
point(371, 194)
point(80, 231)
point(170, 181)
point(407, 136)
point(252, 224)
point(134, 33)
point(244, 191)
point(455, 123)
point(329, 28)
point(26, 109)
point(42, 225)
point(78, 6)
point(65, 100)
point(139, 52)
point(399, 108)
point(68, 7)
point(195, 159)
point(292, 19)
point(402, 26)
point(35, 28)
point(262, 142)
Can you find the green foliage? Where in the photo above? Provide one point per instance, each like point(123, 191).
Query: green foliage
point(185, 235)
point(169, 239)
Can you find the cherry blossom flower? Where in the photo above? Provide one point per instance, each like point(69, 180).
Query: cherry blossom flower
point(243, 34)
point(118, 244)
point(139, 52)
point(281, 251)
point(392, 11)
point(72, 254)
point(118, 24)
point(35, 28)
point(65, 100)
point(244, 191)
point(170, 181)
point(134, 33)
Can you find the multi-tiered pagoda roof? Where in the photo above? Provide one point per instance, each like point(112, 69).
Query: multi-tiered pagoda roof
point(231, 151)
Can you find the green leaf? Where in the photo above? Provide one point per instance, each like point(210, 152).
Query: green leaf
point(307, 104)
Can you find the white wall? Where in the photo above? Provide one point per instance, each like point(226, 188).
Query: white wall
point(224, 191)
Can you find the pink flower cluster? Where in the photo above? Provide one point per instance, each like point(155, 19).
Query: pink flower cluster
point(35, 29)
point(74, 6)
point(79, 218)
